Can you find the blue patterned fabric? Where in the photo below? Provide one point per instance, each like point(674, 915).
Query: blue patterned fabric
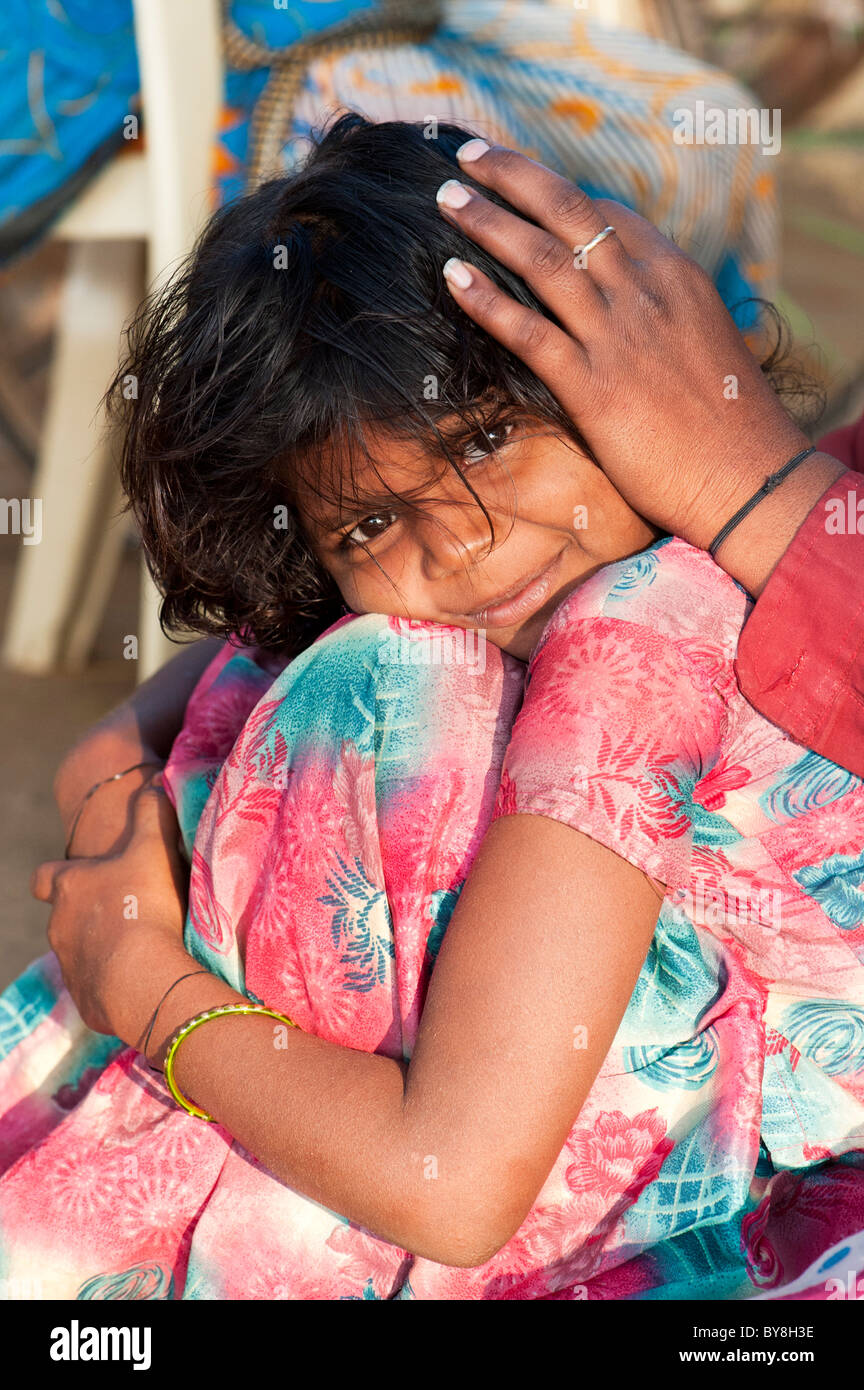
point(68, 78)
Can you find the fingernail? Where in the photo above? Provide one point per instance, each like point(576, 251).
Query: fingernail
point(457, 273)
point(472, 149)
point(452, 194)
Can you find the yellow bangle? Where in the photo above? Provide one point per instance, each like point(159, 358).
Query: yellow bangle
point(190, 1028)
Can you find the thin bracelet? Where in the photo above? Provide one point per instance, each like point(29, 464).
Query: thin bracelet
point(190, 1028)
point(96, 785)
point(146, 1042)
point(767, 487)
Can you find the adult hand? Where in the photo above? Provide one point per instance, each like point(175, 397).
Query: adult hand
point(116, 922)
point(647, 361)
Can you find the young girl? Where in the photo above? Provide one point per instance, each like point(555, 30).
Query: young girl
point(317, 423)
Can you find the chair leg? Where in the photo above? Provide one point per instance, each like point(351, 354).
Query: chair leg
point(99, 580)
point(104, 283)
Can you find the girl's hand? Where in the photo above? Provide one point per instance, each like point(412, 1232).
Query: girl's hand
point(116, 923)
point(647, 361)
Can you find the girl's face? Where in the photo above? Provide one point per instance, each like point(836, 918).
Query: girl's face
point(557, 520)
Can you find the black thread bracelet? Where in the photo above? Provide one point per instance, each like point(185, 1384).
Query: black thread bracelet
point(146, 1042)
point(765, 491)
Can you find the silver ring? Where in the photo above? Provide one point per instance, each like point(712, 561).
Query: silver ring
point(595, 241)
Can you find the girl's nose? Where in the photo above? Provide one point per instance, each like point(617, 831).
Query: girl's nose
point(454, 535)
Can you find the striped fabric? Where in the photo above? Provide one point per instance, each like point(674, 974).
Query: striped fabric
point(594, 103)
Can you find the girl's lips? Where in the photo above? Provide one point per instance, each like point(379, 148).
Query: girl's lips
point(519, 605)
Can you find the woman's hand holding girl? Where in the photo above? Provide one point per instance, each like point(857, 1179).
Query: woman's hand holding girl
point(647, 361)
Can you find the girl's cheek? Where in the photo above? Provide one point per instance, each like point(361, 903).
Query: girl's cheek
point(383, 583)
point(357, 590)
point(350, 594)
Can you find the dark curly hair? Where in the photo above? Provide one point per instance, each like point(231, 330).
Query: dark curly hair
point(307, 308)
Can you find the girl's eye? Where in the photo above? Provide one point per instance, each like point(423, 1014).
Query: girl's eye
point(368, 529)
point(488, 442)
point(480, 446)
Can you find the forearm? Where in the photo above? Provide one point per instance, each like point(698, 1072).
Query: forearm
point(327, 1120)
point(445, 1157)
point(140, 729)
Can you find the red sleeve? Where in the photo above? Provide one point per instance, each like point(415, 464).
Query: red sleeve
point(847, 445)
point(801, 654)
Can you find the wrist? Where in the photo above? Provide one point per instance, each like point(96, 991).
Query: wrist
point(145, 964)
point(98, 755)
point(754, 548)
point(190, 997)
point(738, 469)
point(105, 819)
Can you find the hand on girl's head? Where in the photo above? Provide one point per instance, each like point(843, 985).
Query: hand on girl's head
point(644, 336)
point(254, 368)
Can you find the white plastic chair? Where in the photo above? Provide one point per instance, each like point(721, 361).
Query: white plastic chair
point(126, 231)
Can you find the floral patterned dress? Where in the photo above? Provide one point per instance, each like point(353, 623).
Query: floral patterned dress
point(331, 811)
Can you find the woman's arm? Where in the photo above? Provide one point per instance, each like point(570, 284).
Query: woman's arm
point(140, 729)
point(446, 1156)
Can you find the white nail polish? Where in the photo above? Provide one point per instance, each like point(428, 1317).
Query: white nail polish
point(457, 273)
point(472, 149)
point(452, 194)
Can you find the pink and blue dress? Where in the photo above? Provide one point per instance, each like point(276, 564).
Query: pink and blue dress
point(331, 810)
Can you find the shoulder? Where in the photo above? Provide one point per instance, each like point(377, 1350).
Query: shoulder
point(626, 705)
point(672, 591)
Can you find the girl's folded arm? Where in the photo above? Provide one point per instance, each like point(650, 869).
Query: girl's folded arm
point(445, 1157)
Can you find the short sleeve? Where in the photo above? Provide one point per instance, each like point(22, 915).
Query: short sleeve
point(617, 726)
